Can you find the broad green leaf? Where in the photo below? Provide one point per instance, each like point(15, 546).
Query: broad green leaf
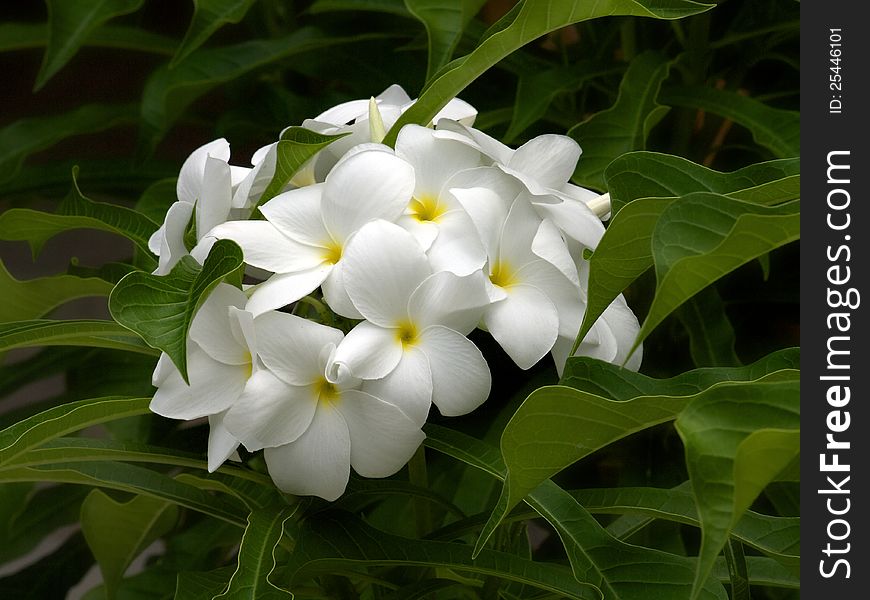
point(624, 126)
point(256, 559)
point(529, 21)
point(61, 420)
point(111, 272)
point(335, 541)
point(395, 7)
point(296, 146)
point(644, 185)
point(776, 129)
point(70, 23)
point(595, 556)
point(444, 21)
point(711, 336)
point(33, 298)
point(654, 175)
point(208, 17)
point(762, 571)
point(537, 89)
point(46, 332)
point(197, 585)
point(161, 308)
point(118, 532)
point(133, 479)
point(737, 439)
point(22, 138)
point(22, 36)
point(77, 212)
point(703, 237)
point(157, 198)
point(169, 92)
point(576, 423)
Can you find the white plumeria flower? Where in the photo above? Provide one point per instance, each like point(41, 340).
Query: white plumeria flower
point(610, 339)
point(533, 281)
point(205, 184)
point(544, 165)
point(412, 346)
point(221, 357)
point(314, 430)
point(306, 230)
point(437, 220)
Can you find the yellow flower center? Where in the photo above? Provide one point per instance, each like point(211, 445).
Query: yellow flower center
point(406, 333)
point(332, 252)
point(502, 275)
point(326, 391)
point(426, 208)
point(248, 365)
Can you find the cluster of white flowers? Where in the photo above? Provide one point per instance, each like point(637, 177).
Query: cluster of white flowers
point(419, 245)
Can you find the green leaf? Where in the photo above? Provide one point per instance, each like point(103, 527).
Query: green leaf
point(22, 36)
point(46, 332)
point(161, 308)
point(22, 138)
point(762, 571)
point(643, 185)
point(61, 420)
point(776, 129)
point(196, 585)
point(296, 146)
point(624, 126)
point(169, 92)
point(537, 89)
point(118, 532)
point(35, 297)
point(256, 559)
point(444, 22)
point(531, 20)
point(157, 198)
point(595, 556)
point(395, 7)
point(705, 236)
point(737, 439)
point(711, 336)
point(208, 17)
point(77, 212)
point(654, 175)
point(70, 23)
point(336, 541)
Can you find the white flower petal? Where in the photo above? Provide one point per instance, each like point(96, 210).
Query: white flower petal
point(211, 328)
point(623, 324)
point(490, 146)
point(549, 245)
point(408, 386)
point(383, 264)
point(424, 232)
point(297, 215)
point(270, 412)
point(202, 249)
point(267, 248)
point(518, 234)
point(434, 160)
point(214, 387)
point(450, 300)
point(257, 179)
point(216, 196)
point(575, 219)
point(564, 294)
point(190, 177)
point(281, 290)
point(221, 443)
point(335, 293)
point(457, 110)
point(368, 352)
point(367, 186)
point(460, 376)
point(163, 369)
point(318, 463)
point(550, 159)
point(343, 113)
point(172, 246)
point(525, 324)
point(395, 95)
point(457, 248)
point(290, 346)
point(156, 239)
point(382, 437)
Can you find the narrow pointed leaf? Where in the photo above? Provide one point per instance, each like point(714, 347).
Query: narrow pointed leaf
point(208, 17)
point(444, 22)
point(256, 559)
point(161, 308)
point(711, 335)
point(33, 298)
point(47, 332)
point(737, 439)
point(706, 236)
point(70, 23)
point(196, 585)
point(776, 129)
point(117, 532)
point(625, 125)
point(529, 21)
point(395, 7)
